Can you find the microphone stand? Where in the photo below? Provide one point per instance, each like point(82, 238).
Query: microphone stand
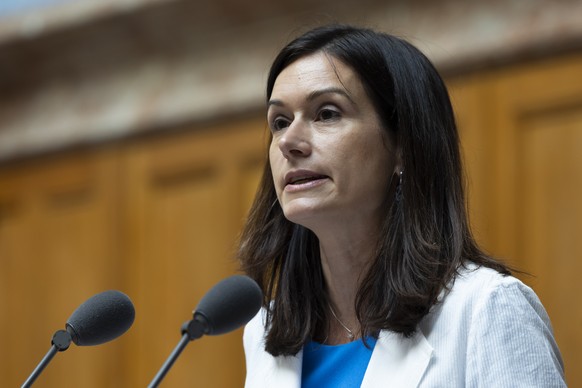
point(191, 330)
point(60, 342)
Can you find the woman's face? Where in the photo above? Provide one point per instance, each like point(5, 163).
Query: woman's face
point(330, 157)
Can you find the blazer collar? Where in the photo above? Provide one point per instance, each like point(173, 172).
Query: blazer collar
point(282, 372)
point(396, 362)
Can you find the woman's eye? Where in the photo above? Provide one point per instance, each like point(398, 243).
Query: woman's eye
point(279, 123)
point(328, 114)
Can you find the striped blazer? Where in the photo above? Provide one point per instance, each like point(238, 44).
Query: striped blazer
point(488, 331)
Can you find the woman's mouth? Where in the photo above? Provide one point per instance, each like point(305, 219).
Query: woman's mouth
point(303, 181)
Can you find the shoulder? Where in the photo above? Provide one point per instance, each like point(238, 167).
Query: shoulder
point(499, 302)
point(482, 287)
point(476, 293)
point(505, 327)
point(478, 279)
point(483, 296)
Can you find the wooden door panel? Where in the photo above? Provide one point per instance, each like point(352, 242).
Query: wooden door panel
point(549, 218)
point(521, 134)
point(58, 247)
point(18, 296)
point(187, 197)
point(538, 113)
point(184, 253)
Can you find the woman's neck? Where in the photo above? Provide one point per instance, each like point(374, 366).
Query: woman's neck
point(345, 259)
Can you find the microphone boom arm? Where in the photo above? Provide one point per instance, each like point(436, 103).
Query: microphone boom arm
point(191, 330)
point(60, 342)
point(227, 306)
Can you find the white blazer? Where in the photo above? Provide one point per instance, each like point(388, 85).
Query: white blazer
point(488, 331)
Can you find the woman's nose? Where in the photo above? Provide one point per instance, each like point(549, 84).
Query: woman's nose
point(295, 141)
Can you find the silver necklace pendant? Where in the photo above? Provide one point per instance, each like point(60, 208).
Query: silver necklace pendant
point(349, 333)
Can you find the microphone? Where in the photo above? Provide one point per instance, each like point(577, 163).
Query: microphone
point(228, 305)
point(100, 319)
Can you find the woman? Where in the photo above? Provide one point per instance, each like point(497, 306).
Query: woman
point(359, 238)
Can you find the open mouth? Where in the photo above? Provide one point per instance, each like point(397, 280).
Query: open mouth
point(305, 179)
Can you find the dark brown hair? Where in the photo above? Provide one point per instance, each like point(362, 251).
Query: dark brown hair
point(425, 237)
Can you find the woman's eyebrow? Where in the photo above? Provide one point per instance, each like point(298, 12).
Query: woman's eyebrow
point(317, 93)
point(330, 90)
point(275, 102)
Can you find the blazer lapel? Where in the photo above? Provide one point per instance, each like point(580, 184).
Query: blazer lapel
point(280, 372)
point(398, 362)
point(287, 372)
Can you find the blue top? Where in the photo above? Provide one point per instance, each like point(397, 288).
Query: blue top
point(335, 366)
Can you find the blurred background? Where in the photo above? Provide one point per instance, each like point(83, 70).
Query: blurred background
point(132, 137)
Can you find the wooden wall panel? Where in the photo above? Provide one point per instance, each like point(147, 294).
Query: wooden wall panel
point(158, 219)
point(187, 198)
point(538, 112)
point(469, 96)
point(550, 221)
point(18, 297)
point(58, 246)
point(521, 130)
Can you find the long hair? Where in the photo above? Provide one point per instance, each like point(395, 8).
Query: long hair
point(425, 236)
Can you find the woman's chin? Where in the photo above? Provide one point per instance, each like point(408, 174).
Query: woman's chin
point(302, 215)
point(309, 217)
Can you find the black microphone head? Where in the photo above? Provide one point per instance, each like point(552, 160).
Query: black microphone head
point(101, 318)
point(230, 304)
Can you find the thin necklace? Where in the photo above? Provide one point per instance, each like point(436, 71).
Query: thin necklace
point(351, 335)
